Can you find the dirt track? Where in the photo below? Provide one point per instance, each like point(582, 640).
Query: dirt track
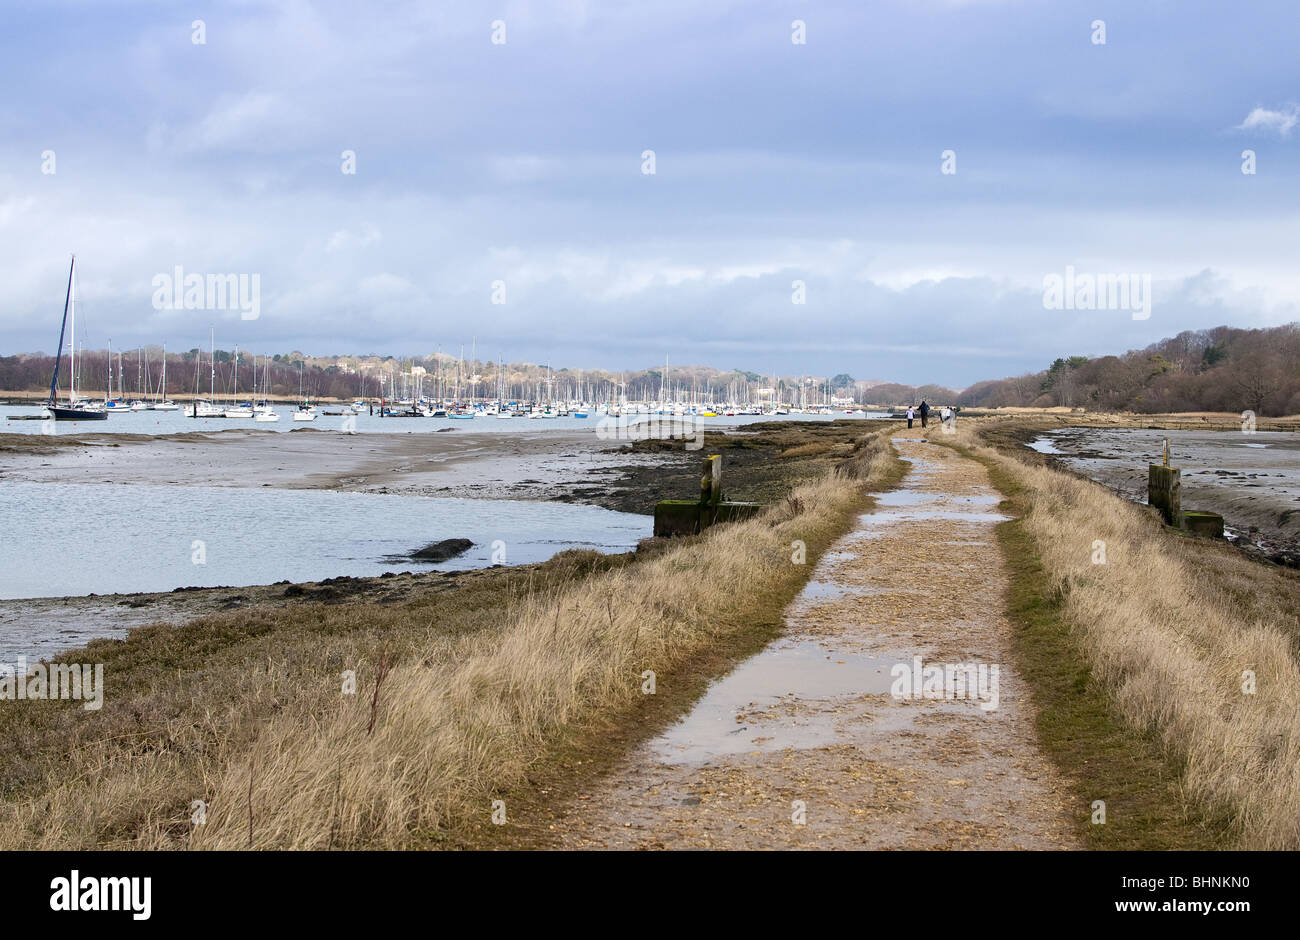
point(812, 723)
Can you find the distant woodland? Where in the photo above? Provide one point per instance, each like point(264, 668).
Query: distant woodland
point(1220, 369)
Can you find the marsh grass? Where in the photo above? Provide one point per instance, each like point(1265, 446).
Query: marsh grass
point(1139, 663)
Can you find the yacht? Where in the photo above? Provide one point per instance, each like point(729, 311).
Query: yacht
point(76, 409)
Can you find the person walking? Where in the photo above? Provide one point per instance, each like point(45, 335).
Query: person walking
point(911, 413)
point(925, 413)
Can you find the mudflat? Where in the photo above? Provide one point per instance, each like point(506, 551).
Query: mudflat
point(565, 466)
point(1252, 480)
point(308, 458)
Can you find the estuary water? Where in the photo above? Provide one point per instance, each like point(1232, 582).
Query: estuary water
point(71, 539)
point(14, 419)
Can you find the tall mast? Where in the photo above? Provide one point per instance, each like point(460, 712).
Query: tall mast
point(58, 352)
point(71, 313)
point(212, 363)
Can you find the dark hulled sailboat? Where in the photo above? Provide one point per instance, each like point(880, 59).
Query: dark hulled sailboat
point(75, 409)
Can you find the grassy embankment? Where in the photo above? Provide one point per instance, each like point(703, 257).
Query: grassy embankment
point(460, 699)
point(1137, 664)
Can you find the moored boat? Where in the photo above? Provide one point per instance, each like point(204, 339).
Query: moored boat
point(75, 409)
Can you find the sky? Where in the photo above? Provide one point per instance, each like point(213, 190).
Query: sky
point(515, 170)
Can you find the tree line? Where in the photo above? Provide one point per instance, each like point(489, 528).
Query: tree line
point(1219, 369)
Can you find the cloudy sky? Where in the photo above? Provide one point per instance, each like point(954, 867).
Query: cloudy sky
point(521, 161)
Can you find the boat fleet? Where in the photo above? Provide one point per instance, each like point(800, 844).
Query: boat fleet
point(457, 406)
point(76, 407)
point(257, 409)
point(496, 408)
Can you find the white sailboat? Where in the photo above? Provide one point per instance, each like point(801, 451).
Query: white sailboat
point(237, 408)
point(164, 403)
point(306, 411)
point(208, 408)
point(262, 411)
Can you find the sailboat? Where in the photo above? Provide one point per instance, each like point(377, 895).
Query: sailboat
point(164, 403)
point(263, 411)
point(498, 408)
point(207, 408)
point(138, 403)
point(306, 411)
point(75, 409)
point(240, 409)
point(115, 405)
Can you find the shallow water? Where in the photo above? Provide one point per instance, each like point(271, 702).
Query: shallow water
point(176, 422)
point(80, 538)
point(753, 692)
point(1253, 480)
point(751, 710)
point(1045, 445)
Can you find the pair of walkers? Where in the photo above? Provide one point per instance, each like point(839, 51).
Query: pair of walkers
point(925, 414)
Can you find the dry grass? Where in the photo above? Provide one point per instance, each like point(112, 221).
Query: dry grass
point(807, 450)
point(247, 714)
point(1169, 625)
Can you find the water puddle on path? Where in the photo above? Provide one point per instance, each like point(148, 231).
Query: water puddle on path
point(744, 712)
point(798, 691)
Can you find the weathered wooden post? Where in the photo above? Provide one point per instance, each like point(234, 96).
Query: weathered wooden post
point(711, 481)
point(1165, 492)
point(687, 517)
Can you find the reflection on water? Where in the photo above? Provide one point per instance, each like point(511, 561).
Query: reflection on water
point(799, 690)
point(743, 712)
point(1045, 445)
point(81, 538)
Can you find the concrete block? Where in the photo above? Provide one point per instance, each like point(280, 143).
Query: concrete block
point(1205, 524)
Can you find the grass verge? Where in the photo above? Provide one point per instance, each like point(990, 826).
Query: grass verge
point(1136, 666)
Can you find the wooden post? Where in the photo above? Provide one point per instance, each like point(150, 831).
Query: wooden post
point(687, 517)
point(711, 481)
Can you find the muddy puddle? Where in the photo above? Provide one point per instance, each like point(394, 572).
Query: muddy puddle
point(831, 679)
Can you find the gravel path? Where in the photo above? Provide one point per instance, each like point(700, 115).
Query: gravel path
point(806, 745)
